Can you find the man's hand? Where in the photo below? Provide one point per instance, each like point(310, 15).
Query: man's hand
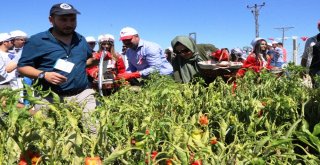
point(92, 62)
point(55, 78)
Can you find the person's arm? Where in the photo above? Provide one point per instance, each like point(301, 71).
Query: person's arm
point(120, 64)
point(51, 77)
point(4, 75)
point(305, 55)
point(11, 66)
point(153, 60)
point(29, 71)
point(92, 62)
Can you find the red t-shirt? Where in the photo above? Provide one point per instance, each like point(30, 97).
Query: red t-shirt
point(254, 64)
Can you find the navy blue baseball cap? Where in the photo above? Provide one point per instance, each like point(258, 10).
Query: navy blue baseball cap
point(63, 9)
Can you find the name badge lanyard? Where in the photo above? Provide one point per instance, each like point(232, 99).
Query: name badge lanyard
point(67, 50)
point(64, 64)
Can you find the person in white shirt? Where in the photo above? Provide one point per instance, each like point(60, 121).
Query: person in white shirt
point(307, 53)
point(6, 78)
point(19, 39)
point(91, 42)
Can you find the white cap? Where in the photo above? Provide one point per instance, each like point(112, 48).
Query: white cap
point(254, 41)
point(106, 37)
point(5, 37)
point(127, 33)
point(90, 39)
point(269, 44)
point(18, 33)
point(274, 42)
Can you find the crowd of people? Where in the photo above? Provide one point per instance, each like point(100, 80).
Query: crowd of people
point(64, 61)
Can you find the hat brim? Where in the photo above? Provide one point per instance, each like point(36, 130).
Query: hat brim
point(8, 39)
point(66, 12)
point(126, 37)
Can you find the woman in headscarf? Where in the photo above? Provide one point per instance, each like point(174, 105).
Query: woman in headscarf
point(185, 63)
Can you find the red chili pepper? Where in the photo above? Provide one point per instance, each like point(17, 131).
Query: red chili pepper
point(213, 141)
point(203, 120)
point(147, 132)
point(169, 162)
point(93, 161)
point(23, 162)
point(33, 156)
point(154, 154)
point(197, 162)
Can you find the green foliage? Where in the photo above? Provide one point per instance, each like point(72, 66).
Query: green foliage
point(267, 120)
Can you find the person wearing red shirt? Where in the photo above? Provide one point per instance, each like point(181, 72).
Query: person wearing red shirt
point(221, 55)
point(115, 63)
point(257, 60)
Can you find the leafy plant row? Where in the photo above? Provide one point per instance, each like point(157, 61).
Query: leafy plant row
point(266, 119)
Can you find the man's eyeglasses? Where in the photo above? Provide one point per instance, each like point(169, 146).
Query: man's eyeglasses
point(91, 43)
point(181, 51)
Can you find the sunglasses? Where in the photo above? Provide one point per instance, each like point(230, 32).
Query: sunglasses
point(10, 41)
point(20, 39)
point(91, 43)
point(107, 43)
point(181, 51)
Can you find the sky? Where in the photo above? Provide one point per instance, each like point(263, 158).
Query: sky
point(223, 23)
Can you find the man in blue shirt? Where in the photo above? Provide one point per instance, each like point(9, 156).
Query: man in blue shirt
point(144, 57)
point(58, 58)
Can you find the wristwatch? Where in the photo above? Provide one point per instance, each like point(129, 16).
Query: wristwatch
point(41, 75)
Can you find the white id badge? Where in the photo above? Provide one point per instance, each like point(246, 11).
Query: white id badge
point(64, 65)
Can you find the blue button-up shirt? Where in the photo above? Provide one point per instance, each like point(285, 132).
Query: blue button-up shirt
point(148, 57)
point(42, 51)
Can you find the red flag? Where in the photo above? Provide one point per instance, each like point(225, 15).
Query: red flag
point(304, 38)
point(271, 39)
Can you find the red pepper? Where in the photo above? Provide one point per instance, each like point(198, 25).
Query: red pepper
point(154, 154)
point(169, 162)
point(93, 161)
point(33, 156)
point(203, 120)
point(213, 141)
point(23, 162)
point(197, 162)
